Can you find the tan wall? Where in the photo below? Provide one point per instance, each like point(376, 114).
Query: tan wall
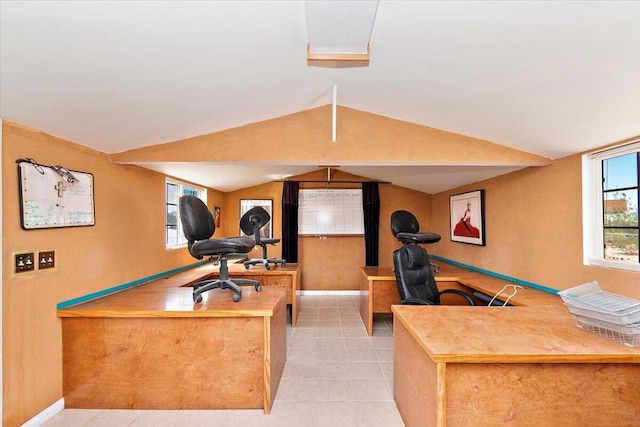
point(533, 230)
point(362, 138)
point(333, 262)
point(330, 262)
point(126, 244)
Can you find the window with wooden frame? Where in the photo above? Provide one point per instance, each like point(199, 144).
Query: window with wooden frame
point(610, 207)
point(174, 236)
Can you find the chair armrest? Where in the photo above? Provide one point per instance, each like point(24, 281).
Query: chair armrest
point(415, 301)
point(460, 293)
point(436, 268)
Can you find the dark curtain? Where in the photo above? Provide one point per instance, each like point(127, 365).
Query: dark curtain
point(371, 209)
point(290, 220)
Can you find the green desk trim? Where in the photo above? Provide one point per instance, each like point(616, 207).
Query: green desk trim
point(109, 291)
point(494, 274)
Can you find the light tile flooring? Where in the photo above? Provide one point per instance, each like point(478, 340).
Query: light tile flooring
point(335, 376)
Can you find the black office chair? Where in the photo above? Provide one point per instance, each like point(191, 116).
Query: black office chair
point(415, 280)
point(251, 223)
point(198, 227)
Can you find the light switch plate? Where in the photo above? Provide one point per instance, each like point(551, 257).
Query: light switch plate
point(24, 262)
point(46, 259)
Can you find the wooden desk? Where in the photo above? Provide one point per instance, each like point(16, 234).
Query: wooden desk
point(519, 366)
point(287, 276)
point(379, 291)
point(151, 347)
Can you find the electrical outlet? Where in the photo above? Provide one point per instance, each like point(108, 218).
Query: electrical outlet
point(24, 262)
point(46, 259)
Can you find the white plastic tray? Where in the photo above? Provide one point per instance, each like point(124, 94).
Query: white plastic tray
point(589, 296)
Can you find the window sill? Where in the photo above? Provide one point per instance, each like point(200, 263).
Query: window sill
point(170, 248)
point(617, 265)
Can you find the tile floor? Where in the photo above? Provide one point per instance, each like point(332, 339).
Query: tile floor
point(335, 376)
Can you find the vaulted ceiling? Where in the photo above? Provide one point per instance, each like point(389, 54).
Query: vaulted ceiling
point(548, 78)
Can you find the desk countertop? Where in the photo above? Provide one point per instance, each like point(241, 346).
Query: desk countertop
point(463, 334)
point(477, 281)
point(259, 270)
point(168, 297)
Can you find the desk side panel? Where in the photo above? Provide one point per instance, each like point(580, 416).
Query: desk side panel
point(385, 294)
point(163, 363)
point(543, 394)
point(295, 298)
point(366, 302)
point(275, 354)
point(415, 380)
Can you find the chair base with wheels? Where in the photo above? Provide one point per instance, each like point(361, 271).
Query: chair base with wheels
point(265, 260)
point(223, 282)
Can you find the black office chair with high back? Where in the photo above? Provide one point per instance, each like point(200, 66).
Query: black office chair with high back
point(250, 224)
point(405, 228)
point(415, 280)
point(198, 226)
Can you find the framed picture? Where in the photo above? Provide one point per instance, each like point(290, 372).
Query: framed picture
point(245, 204)
point(467, 217)
point(216, 215)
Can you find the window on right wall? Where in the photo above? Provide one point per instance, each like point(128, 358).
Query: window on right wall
point(611, 232)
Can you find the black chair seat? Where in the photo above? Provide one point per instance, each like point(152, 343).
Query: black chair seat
point(417, 238)
point(223, 246)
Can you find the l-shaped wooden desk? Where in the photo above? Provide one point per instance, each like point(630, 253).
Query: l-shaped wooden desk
point(514, 366)
point(152, 347)
point(379, 291)
point(525, 365)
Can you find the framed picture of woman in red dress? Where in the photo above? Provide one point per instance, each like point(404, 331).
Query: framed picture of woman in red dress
point(467, 217)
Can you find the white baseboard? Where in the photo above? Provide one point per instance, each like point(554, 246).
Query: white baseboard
point(45, 415)
point(342, 293)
